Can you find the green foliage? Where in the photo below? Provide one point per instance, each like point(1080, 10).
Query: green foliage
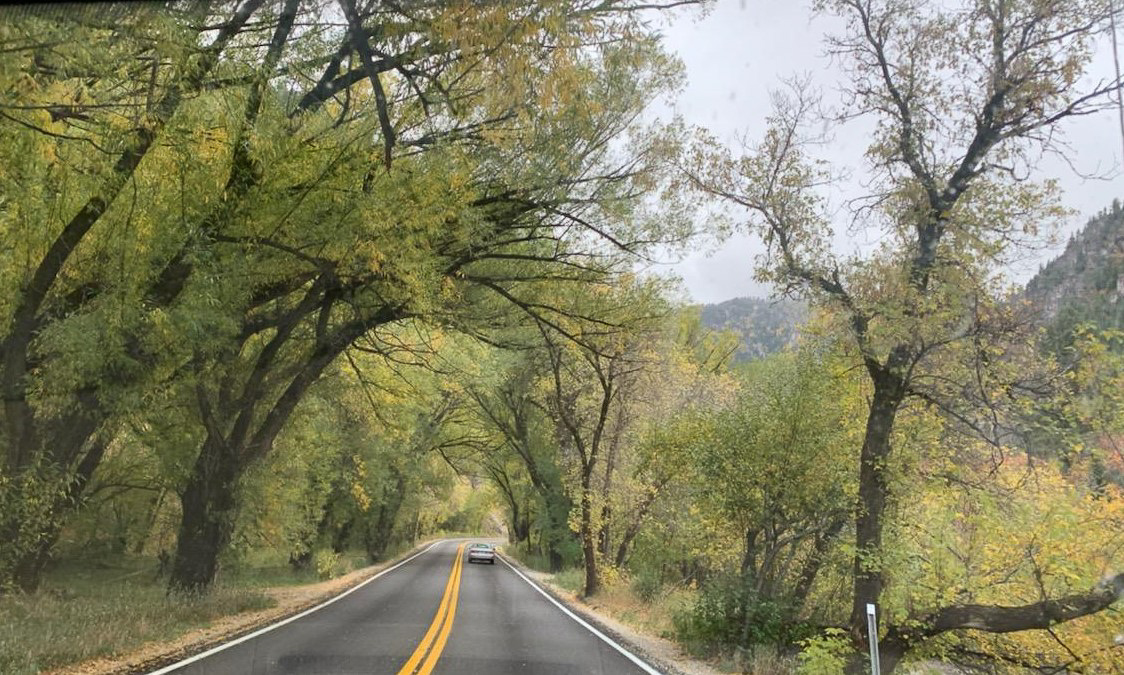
point(572, 579)
point(647, 585)
point(729, 613)
point(825, 654)
point(327, 564)
point(229, 230)
point(27, 511)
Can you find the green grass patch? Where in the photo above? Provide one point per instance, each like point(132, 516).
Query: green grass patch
point(268, 570)
point(572, 579)
point(110, 605)
point(54, 627)
point(535, 561)
point(105, 607)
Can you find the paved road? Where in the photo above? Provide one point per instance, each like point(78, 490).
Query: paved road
point(432, 614)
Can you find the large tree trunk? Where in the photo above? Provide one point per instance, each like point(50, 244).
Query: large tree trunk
point(520, 523)
point(209, 499)
point(377, 534)
point(604, 542)
point(28, 571)
point(209, 510)
point(604, 536)
point(873, 492)
point(588, 537)
point(523, 527)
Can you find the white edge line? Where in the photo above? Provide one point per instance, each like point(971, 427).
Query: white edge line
point(604, 638)
point(226, 645)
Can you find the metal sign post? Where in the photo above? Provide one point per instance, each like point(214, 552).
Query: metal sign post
point(872, 635)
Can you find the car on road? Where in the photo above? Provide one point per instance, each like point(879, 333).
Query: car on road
point(483, 553)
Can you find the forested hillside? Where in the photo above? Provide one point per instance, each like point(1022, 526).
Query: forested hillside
point(290, 286)
point(762, 326)
point(1085, 284)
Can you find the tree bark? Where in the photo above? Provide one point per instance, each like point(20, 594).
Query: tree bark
point(209, 509)
point(996, 619)
point(589, 543)
point(811, 568)
point(377, 534)
point(869, 579)
point(604, 536)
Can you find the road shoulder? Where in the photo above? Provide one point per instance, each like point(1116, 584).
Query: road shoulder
point(662, 654)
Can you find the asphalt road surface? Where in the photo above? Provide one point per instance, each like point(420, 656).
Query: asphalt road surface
point(436, 613)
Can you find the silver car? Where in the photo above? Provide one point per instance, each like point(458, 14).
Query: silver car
point(482, 553)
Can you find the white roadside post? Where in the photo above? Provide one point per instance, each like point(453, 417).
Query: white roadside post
point(872, 634)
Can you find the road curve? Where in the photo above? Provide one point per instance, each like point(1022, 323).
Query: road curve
point(431, 615)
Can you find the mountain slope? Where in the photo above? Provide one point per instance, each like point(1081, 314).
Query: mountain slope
point(1086, 282)
point(763, 326)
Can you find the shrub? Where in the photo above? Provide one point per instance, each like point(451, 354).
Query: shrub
point(724, 616)
point(572, 579)
point(647, 586)
point(824, 654)
point(327, 564)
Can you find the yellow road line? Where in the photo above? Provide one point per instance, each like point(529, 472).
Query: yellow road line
point(451, 588)
point(439, 646)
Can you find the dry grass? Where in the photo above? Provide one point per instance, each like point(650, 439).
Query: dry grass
point(618, 600)
point(105, 608)
point(54, 628)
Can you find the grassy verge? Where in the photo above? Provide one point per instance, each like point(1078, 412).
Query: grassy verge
point(108, 607)
point(652, 611)
point(618, 597)
point(101, 611)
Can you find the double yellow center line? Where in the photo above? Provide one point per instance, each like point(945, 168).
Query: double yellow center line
point(434, 641)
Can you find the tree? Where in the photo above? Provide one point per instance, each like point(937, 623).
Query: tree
point(963, 95)
point(71, 100)
point(516, 446)
point(768, 470)
point(262, 266)
point(587, 382)
point(685, 368)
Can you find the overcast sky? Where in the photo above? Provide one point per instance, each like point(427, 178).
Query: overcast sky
point(742, 48)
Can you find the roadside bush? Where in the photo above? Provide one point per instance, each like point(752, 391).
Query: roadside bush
point(647, 586)
point(824, 654)
point(571, 578)
point(724, 616)
point(328, 564)
point(28, 508)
